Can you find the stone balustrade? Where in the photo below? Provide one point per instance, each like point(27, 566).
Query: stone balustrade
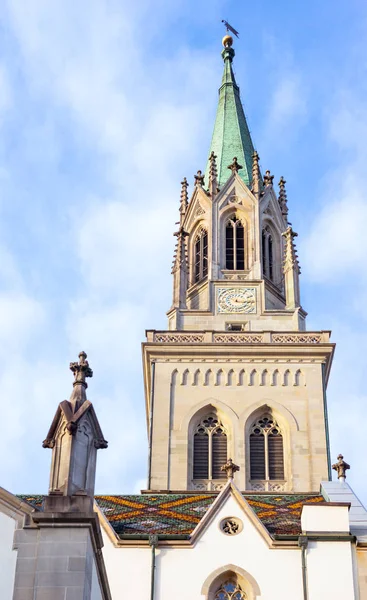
point(230, 337)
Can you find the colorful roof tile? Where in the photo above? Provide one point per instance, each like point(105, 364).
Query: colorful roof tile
point(281, 514)
point(36, 500)
point(170, 514)
point(179, 514)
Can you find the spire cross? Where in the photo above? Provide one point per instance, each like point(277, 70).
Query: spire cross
point(81, 370)
point(235, 167)
point(230, 468)
point(341, 467)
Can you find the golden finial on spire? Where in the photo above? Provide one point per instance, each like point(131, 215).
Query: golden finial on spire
point(227, 41)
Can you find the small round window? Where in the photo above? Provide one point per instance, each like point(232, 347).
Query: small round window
point(231, 525)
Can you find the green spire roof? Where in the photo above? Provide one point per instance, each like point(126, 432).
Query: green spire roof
point(231, 135)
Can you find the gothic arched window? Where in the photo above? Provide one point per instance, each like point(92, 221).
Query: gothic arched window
point(266, 449)
point(230, 590)
point(210, 449)
point(268, 253)
point(201, 255)
point(235, 245)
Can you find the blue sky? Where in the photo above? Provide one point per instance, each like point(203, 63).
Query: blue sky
point(104, 107)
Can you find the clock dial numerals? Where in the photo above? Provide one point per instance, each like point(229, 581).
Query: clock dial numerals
point(236, 300)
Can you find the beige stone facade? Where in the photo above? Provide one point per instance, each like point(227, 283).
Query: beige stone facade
point(236, 344)
point(239, 382)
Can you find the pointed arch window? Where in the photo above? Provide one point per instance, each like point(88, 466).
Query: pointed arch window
point(201, 255)
point(268, 253)
point(210, 449)
point(235, 245)
point(230, 590)
point(266, 450)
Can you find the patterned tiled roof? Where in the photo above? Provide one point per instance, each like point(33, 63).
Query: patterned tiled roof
point(169, 514)
point(35, 500)
point(281, 514)
point(179, 514)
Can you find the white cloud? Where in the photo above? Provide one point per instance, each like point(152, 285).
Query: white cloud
point(336, 243)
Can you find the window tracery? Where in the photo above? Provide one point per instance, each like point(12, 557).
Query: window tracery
point(201, 255)
point(235, 244)
point(210, 448)
point(266, 450)
point(230, 590)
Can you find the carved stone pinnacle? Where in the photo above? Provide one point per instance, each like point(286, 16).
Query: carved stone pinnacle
point(235, 167)
point(341, 467)
point(81, 370)
point(230, 468)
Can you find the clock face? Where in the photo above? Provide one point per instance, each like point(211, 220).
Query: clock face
point(236, 300)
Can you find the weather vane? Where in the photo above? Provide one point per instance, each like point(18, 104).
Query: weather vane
point(229, 28)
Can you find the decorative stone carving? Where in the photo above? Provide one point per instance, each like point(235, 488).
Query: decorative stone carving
point(199, 179)
point(211, 485)
point(179, 338)
point(268, 178)
point(283, 197)
point(81, 369)
point(256, 176)
point(290, 254)
point(296, 338)
point(184, 200)
point(238, 338)
point(341, 467)
point(180, 255)
point(235, 167)
point(231, 525)
point(268, 486)
point(213, 175)
point(230, 468)
point(199, 211)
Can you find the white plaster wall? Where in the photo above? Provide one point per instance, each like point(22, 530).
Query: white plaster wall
point(325, 518)
point(8, 557)
point(330, 571)
point(128, 571)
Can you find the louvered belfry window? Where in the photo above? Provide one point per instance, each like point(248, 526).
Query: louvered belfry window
point(210, 449)
point(235, 245)
point(266, 450)
point(201, 255)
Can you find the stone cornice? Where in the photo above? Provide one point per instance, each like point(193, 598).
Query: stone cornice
point(274, 346)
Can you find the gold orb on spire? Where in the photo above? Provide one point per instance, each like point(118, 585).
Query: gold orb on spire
point(227, 41)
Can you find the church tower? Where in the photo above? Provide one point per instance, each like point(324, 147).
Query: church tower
point(236, 374)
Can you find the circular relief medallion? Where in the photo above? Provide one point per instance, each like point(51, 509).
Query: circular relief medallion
point(231, 525)
point(236, 300)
